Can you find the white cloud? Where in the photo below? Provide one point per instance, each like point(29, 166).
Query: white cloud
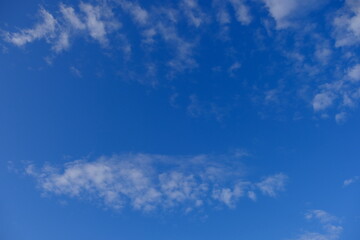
point(193, 12)
point(273, 184)
point(179, 187)
point(146, 182)
point(62, 42)
point(354, 73)
point(286, 12)
point(234, 67)
point(70, 16)
point(139, 14)
point(323, 101)
point(183, 49)
point(343, 93)
point(76, 71)
point(281, 10)
point(162, 22)
point(252, 195)
point(347, 25)
point(349, 181)
point(230, 196)
point(44, 29)
point(340, 117)
point(222, 15)
point(99, 20)
point(323, 52)
point(96, 21)
point(330, 227)
point(242, 11)
point(321, 215)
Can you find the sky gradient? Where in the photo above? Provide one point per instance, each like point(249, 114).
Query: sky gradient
point(190, 119)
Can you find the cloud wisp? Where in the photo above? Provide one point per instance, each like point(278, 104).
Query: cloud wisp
point(95, 21)
point(350, 181)
point(147, 182)
point(329, 224)
point(44, 29)
point(346, 23)
point(287, 13)
point(343, 93)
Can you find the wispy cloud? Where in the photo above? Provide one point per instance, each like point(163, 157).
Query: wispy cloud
point(344, 93)
point(350, 181)
point(330, 226)
point(346, 24)
point(193, 12)
point(287, 12)
point(96, 21)
point(222, 13)
point(341, 117)
point(281, 11)
point(99, 21)
point(323, 52)
point(44, 29)
point(323, 100)
point(183, 57)
point(273, 184)
point(242, 11)
point(72, 18)
point(147, 182)
point(76, 71)
point(139, 14)
point(354, 73)
point(233, 68)
point(160, 23)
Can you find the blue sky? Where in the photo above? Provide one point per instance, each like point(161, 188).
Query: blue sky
point(221, 119)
